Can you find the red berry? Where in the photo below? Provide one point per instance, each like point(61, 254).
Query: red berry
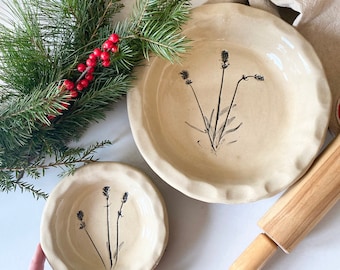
point(51, 117)
point(106, 63)
point(81, 67)
point(114, 49)
point(89, 77)
point(92, 56)
point(105, 56)
point(84, 83)
point(90, 70)
point(90, 63)
point(80, 87)
point(114, 38)
point(69, 84)
point(73, 93)
point(97, 52)
point(107, 45)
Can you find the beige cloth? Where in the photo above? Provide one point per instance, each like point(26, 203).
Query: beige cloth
point(319, 22)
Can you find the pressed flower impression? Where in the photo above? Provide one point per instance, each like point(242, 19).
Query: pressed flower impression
point(217, 123)
point(113, 255)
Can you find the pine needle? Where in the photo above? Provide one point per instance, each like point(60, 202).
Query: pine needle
point(41, 44)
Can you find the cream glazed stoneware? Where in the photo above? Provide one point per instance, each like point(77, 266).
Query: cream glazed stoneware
point(244, 113)
point(105, 216)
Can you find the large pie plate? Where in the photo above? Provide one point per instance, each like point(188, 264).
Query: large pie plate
point(244, 113)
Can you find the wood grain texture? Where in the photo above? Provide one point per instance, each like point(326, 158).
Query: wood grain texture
point(256, 255)
point(297, 212)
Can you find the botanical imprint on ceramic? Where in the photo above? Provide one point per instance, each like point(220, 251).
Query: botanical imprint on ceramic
point(217, 124)
point(112, 255)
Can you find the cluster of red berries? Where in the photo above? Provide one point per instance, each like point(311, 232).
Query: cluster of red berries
point(86, 69)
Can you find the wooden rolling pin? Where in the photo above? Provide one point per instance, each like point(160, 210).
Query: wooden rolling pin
point(296, 213)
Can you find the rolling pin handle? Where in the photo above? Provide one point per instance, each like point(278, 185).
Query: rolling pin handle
point(256, 255)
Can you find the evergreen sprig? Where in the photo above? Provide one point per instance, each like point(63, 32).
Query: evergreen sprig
point(155, 31)
point(41, 43)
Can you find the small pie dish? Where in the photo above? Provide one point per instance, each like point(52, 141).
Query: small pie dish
point(242, 116)
point(105, 216)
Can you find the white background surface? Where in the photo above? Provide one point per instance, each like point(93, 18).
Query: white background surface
point(202, 236)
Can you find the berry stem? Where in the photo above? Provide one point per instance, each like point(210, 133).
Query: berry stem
point(83, 74)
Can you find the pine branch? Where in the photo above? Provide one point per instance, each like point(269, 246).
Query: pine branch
point(41, 46)
point(69, 158)
point(151, 25)
point(6, 186)
point(25, 114)
point(67, 161)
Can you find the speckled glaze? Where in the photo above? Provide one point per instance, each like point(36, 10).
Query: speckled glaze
point(283, 119)
point(71, 241)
